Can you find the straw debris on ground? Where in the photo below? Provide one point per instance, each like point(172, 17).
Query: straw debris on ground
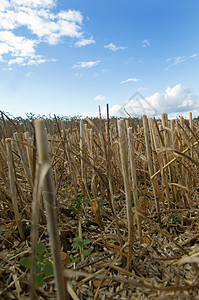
point(128, 189)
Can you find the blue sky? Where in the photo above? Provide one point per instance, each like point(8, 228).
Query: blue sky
point(69, 57)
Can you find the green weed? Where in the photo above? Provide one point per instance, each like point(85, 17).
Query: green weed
point(77, 203)
point(175, 218)
point(80, 243)
point(43, 265)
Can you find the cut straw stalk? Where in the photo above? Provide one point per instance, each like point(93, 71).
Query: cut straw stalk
point(90, 143)
point(124, 161)
point(71, 166)
point(29, 154)
point(82, 156)
point(109, 169)
point(171, 169)
point(174, 159)
point(108, 161)
point(41, 171)
point(22, 155)
point(150, 162)
point(190, 121)
point(131, 145)
point(94, 177)
point(49, 200)
point(160, 158)
point(13, 188)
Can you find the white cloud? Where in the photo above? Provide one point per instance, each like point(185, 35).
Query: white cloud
point(4, 4)
point(145, 43)
point(113, 47)
point(187, 102)
point(130, 80)
point(33, 3)
point(175, 61)
point(194, 55)
point(71, 16)
point(85, 42)
point(100, 98)
point(178, 60)
point(174, 101)
point(23, 61)
point(18, 60)
point(16, 45)
point(39, 61)
point(42, 24)
point(86, 64)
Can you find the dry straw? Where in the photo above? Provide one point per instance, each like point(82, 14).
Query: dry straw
point(49, 196)
point(13, 187)
point(144, 172)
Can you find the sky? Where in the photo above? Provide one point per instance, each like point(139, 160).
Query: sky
point(68, 57)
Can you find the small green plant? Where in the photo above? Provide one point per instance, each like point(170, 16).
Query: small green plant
point(43, 265)
point(76, 204)
point(175, 218)
point(80, 243)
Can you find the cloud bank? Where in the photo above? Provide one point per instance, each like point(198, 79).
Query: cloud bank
point(175, 101)
point(40, 24)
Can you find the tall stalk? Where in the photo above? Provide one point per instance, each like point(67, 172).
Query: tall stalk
point(124, 161)
point(13, 188)
point(48, 191)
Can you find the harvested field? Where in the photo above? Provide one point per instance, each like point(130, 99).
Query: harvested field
point(128, 189)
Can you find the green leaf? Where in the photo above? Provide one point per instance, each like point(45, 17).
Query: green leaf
point(73, 210)
point(86, 252)
point(26, 262)
point(38, 268)
point(77, 239)
point(85, 201)
point(74, 260)
point(47, 254)
point(40, 258)
point(40, 248)
point(76, 244)
point(39, 280)
point(80, 196)
point(86, 242)
point(48, 268)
